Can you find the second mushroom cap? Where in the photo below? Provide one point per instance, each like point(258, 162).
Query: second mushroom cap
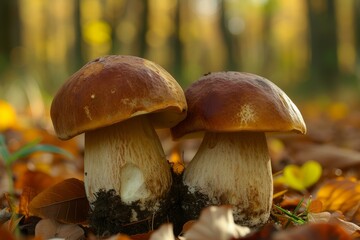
point(237, 101)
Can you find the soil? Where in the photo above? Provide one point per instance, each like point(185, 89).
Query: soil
point(110, 215)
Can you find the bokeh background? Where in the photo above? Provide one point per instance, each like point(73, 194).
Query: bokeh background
point(311, 49)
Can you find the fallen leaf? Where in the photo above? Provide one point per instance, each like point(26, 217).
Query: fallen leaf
point(341, 195)
point(49, 229)
point(300, 178)
point(216, 223)
point(115, 237)
point(187, 226)
point(65, 202)
point(5, 234)
point(321, 217)
point(38, 181)
point(25, 198)
point(329, 156)
point(320, 231)
point(264, 233)
point(13, 222)
point(315, 206)
point(7, 116)
point(326, 217)
point(164, 232)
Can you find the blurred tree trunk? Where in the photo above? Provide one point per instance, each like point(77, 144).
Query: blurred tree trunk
point(231, 41)
point(177, 44)
point(143, 27)
point(324, 69)
point(9, 28)
point(77, 53)
point(269, 9)
point(357, 34)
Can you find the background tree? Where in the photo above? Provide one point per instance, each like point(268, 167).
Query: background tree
point(323, 67)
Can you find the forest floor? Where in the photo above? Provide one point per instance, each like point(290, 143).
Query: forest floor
point(316, 186)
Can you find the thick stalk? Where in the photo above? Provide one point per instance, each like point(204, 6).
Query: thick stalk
point(127, 157)
point(235, 169)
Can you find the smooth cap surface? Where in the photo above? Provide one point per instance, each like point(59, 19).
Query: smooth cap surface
point(235, 101)
point(112, 89)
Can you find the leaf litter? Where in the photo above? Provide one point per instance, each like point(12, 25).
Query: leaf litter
point(45, 186)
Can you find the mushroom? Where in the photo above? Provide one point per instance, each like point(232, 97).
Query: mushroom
point(232, 165)
point(117, 101)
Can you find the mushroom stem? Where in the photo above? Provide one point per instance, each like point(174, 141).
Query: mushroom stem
point(127, 157)
point(234, 168)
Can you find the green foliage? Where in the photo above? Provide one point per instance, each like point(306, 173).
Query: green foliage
point(25, 151)
point(295, 217)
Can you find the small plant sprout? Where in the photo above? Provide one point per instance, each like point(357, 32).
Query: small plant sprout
point(296, 217)
point(9, 158)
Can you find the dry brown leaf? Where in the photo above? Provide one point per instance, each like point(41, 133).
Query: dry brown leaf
point(315, 206)
point(12, 223)
point(335, 218)
point(341, 195)
point(25, 198)
point(65, 202)
point(265, 233)
point(321, 231)
point(49, 228)
point(164, 232)
point(329, 156)
point(38, 181)
point(217, 223)
point(187, 226)
point(5, 233)
point(115, 237)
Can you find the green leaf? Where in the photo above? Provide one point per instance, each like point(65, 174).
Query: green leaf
point(31, 148)
point(3, 149)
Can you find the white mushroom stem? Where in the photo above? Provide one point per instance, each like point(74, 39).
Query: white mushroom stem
point(127, 157)
point(234, 168)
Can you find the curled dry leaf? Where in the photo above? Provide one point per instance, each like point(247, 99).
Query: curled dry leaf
point(341, 195)
point(5, 233)
point(265, 233)
point(329, 156)
point(164, 232)
point(321, 231)
point(216, 223)
point(37, 181)
point(65, 202)
point(49, 228)
point(335, 218)
point(188, 225)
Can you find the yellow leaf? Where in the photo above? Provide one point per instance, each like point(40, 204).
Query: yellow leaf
point(341, 195)
point(7, 115)
point(300, 178)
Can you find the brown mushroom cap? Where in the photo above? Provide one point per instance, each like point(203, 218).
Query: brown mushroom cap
point(235, 101)
point(112, 89)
